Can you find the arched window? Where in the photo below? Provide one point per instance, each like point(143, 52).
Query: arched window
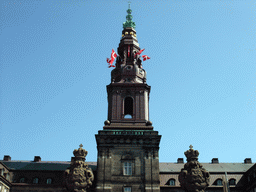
point(171, 182)
point(22, 180)
point(128, 108)
point(219, 182)
point(232, 182)
point(35, 180)
point(49, 181)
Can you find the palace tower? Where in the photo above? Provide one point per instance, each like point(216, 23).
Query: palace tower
point(128, 146)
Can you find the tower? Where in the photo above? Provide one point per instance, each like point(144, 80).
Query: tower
point(128, 146)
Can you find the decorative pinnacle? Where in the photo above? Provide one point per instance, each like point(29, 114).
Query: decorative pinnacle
point(190, 147)
point(129, 22)
point(81, 145)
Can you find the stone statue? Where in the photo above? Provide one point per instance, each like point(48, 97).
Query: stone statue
point(193, 177)
point(78, 177)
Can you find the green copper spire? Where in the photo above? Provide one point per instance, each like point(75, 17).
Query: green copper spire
point(129, 22)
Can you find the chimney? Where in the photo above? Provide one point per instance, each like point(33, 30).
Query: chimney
point(215, 160)
point(37, 159)
point(180, 160)
point(247, 160)
point(7, 158)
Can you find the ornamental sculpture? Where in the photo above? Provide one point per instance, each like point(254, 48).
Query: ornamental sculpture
point(78, 177)
point(193, 177)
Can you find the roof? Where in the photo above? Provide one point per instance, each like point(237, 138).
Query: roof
point(163, 167)
point(43, 165)
point(211, 167)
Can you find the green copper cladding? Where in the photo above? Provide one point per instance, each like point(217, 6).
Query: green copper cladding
point(129, 22)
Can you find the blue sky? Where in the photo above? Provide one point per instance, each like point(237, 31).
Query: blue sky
point(202, 74)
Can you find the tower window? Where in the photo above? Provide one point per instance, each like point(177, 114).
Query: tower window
point(128, 108)
point(127, 168)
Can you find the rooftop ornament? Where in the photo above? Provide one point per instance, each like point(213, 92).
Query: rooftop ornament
point(193, 177)
point(129, 22)
point(78, 177)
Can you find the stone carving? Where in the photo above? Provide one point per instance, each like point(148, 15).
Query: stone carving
point(193, 177)
point(78, 177)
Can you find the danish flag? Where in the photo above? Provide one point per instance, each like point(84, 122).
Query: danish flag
point(145, 57)
point(138, 53)
point(111, 60)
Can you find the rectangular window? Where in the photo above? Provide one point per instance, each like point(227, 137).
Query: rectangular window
point(127, 168)
point(127, 189)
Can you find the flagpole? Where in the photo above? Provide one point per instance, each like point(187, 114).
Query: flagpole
point(224, 184)
point(228, 189)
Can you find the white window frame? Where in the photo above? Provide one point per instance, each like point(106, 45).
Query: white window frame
point(127, 168)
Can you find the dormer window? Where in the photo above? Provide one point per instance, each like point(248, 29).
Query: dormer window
point(35, 180)
point(171, 182)
point(232, 182)
point(2, 172)
point(49, 181)
point(128, 108)
point(22, 180)
point(219, 182)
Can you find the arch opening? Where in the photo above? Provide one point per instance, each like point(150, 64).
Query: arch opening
point(128, 108)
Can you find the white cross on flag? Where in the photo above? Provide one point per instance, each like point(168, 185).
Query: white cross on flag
point(138, 53)
point(111, 60)
point(145, 57)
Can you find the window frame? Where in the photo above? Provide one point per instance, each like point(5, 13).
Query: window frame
point(2, 171)
point(22, 180)
point(35, 179)
point(127, 168)
point(49, 179)
point(232, 180)
point(124, 189)
point(219, 184)
point(172, 182)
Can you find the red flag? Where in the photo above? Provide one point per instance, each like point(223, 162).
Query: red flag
point(138, 53)
point(111, 66)
point(111, 60)
point(145, 57)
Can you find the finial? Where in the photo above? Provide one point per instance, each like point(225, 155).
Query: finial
point(81, 145)
point(129, 4)
point(129, 22)
point(190, 147)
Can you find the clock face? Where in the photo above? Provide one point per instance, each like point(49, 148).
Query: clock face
point(129, 67)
